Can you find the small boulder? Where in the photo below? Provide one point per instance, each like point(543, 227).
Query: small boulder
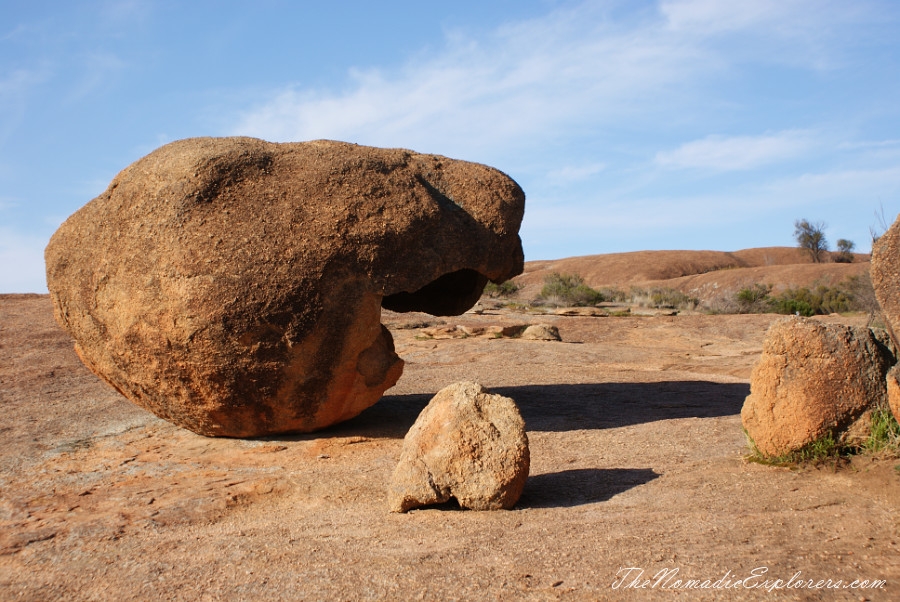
point(467, 444)
point(541, 332)
point(234, 286)
point(811, 380)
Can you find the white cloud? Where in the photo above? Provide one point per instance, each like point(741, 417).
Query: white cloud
point(706, 17)
point(21, 262)
point(121, 13)
point(720, 153)
point(856, 187)
point(574, 173)
point(570, 71)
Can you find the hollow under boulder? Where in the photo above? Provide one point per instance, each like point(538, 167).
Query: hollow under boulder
point(234, 286)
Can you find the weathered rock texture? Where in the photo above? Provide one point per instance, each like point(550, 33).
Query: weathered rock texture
point(234, 286)
point(893, 391)
point(541, 332)
point(813, 379)
point(885, 273)
point(468, 444)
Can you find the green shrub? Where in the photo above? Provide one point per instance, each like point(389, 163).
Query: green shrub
point(504, 289)
point(754, 299)
point(754, 294)
point(821, 300)
point(854, 294)
point(792, 303)
point(569, 289)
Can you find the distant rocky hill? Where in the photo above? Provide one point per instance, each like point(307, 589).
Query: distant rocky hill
point(706, 275)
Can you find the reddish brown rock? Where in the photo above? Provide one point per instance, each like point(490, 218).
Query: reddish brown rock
point(467, 444)
point(885, 273)
point(234, 286)
point(541, 332)
point(893, 391)
point(813, 379)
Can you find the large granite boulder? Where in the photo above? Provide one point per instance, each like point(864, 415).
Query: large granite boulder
point(814, 379)
point(234, 286)
point(885, 273)
point(468, 444)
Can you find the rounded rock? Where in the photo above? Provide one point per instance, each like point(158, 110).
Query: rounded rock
point(234, 286)
point(813, 379)
point(467, 444)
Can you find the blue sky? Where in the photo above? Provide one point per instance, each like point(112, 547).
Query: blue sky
point(670, 124)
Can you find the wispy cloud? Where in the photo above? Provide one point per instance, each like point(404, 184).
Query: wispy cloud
point(15, 88)
point(119, 13)
point(18, 82)
point(865, 186)
point(720, 153)
point(574, 173)
point(574, 69)
point(795, 32)
point(15, 32)
point(713, 17)
point(524, 80)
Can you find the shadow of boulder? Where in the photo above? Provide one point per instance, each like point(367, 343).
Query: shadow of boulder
point(576, 487)
point(567, 407)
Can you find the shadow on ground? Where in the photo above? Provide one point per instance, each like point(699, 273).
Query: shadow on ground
point(568, 488)
point(557, 408)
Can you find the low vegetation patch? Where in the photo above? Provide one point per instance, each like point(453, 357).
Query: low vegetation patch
point(569, 290)
point(613, 295)
point(848, 296)
point(854, 294)
point(885, 434)
point(663, 298)
point(884, 438)
point(504, 289)
point(818, 451)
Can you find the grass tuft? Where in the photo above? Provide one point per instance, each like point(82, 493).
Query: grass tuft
point(885, 436)
point(883, 439)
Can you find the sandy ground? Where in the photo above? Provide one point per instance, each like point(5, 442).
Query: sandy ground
point(637, 461)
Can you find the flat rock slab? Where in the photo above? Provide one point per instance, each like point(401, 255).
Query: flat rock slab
point(636, 449)
point(234, 286)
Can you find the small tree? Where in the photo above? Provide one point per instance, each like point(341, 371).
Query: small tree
point(845, 251)
point(811, 237)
